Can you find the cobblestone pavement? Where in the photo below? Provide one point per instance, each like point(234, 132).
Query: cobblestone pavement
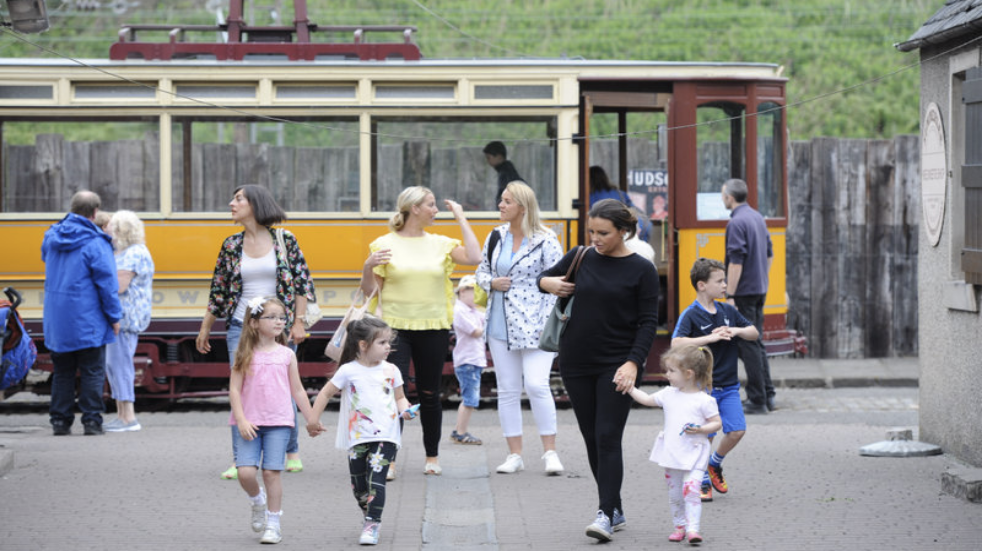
point(797, 482)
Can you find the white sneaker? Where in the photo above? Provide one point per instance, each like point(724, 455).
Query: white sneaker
point(259, 517)
point(271, 535)
point(513, 463)
point(553, 465)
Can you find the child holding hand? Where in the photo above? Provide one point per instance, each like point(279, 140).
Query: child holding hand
point(263, 383)
point(683, 447)
point(372, 401)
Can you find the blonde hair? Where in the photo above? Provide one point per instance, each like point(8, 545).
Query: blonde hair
point(127, 229)
point(689, 356)
point(409, 198)
point(250, 335)
point(525, 197)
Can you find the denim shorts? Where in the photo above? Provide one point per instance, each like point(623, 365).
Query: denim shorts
point(469, 377)
point(269, 444)
point(730, 408)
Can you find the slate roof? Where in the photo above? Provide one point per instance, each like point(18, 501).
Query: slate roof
point(955, 19)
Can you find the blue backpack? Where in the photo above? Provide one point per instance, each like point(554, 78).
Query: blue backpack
point(17, 350)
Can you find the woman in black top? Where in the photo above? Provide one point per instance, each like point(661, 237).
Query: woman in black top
point(605, 344)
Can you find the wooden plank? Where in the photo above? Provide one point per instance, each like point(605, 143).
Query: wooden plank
point(851, 269)
point(904, 267)
point(47, 174)
point(882, 224)
point(105, 177)
point(824, 291)
point(799, 259)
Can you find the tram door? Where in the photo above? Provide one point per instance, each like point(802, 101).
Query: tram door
point(624, 133)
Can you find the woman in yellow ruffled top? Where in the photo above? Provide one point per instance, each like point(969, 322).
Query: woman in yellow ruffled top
point(411, 269)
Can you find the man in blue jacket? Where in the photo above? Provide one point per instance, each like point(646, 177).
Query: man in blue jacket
point(81, 312)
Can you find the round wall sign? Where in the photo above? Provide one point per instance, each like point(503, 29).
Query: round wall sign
point(934, 172)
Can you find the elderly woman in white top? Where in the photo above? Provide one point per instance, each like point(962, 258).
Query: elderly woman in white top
point(514, 255)
point(135, 269)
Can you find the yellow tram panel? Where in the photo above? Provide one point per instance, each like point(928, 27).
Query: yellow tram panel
point(711, 243)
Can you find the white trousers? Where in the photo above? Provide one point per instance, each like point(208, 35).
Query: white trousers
point(533, 366)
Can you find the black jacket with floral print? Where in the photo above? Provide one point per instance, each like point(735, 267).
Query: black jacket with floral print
point(226, 283)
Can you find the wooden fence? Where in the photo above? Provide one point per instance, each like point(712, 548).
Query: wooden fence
point(852, 245)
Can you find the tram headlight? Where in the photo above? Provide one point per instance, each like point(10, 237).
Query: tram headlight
point(28, 16)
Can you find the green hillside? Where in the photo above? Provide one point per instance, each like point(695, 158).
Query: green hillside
point(825, 45)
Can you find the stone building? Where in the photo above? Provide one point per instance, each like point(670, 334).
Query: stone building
point(950, 246)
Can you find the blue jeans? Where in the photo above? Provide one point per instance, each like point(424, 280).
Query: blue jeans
point(233, 332)
point(90, 365)
point(268, 448)
point(469, 378)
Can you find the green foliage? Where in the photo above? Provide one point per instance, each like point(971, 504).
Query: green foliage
point(826, 46)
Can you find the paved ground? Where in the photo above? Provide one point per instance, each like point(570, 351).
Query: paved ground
point(797, 482)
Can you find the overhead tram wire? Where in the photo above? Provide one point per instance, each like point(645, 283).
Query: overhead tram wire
point(485, 140)
point(468, 35)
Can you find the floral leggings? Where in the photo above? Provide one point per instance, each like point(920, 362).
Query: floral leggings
point(368, 464)
point(683, 496)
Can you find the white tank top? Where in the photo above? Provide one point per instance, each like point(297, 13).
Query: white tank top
point(258, 280)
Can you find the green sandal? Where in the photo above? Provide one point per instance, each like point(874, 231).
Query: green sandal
point(232, 473)
point(293, 466)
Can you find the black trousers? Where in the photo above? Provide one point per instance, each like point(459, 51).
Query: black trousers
point(754, 355)
point(601, 413)
point(427, 350)
point(368, 465)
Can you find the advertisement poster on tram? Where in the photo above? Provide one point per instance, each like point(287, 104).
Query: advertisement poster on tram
point(648, 189)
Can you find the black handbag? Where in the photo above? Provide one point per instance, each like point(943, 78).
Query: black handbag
point(556, 322)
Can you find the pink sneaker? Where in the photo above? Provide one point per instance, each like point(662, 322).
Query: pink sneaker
point(678, 535)
point(694, 538)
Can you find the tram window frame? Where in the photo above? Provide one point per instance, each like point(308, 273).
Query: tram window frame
point(304, 179)
point(474, 183)
point(770, 175)
point(709, 203)
point(124, 172)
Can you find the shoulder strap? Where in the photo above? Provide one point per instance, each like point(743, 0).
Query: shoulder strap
point(575, 266)
point(493, 242)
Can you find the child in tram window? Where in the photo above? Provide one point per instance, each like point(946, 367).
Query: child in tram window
point(710, 322)
point(263, 384)
point(469, 358)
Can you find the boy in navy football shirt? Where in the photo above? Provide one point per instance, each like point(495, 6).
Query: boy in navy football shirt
point(709, 322)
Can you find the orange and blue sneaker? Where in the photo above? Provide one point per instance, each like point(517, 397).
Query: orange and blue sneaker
point(706, 493)
point(716, 477)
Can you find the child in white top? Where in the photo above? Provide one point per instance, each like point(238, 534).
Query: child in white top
point(372, 401)
point(683, 447)
point(263, 382)
point(469, 357)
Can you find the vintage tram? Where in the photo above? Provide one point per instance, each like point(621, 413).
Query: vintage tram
point(169, 129)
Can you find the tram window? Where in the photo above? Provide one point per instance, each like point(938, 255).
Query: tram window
point(770, 151)
point(87, 92)
point(27, 92)
point(415, 92)
point(513, 92)
point(310, 165)
point(446, 156)
point(720, 139)
point(209, 92)
point(285, 92)
point(45, 162)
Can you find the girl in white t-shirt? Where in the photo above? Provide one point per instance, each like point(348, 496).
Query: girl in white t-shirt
point(683, 447)
point(372, 401)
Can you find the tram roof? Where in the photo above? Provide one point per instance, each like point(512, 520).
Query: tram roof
point(770, 70)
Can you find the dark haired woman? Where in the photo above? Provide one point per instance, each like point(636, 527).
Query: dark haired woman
point(605, 344)
point(250, 264)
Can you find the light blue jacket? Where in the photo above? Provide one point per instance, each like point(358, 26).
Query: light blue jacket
point(81, 289)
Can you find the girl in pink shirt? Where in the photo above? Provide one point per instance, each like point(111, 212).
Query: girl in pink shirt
point(263, 381)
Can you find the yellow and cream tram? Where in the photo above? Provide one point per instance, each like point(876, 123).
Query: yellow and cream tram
point(336, 137)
